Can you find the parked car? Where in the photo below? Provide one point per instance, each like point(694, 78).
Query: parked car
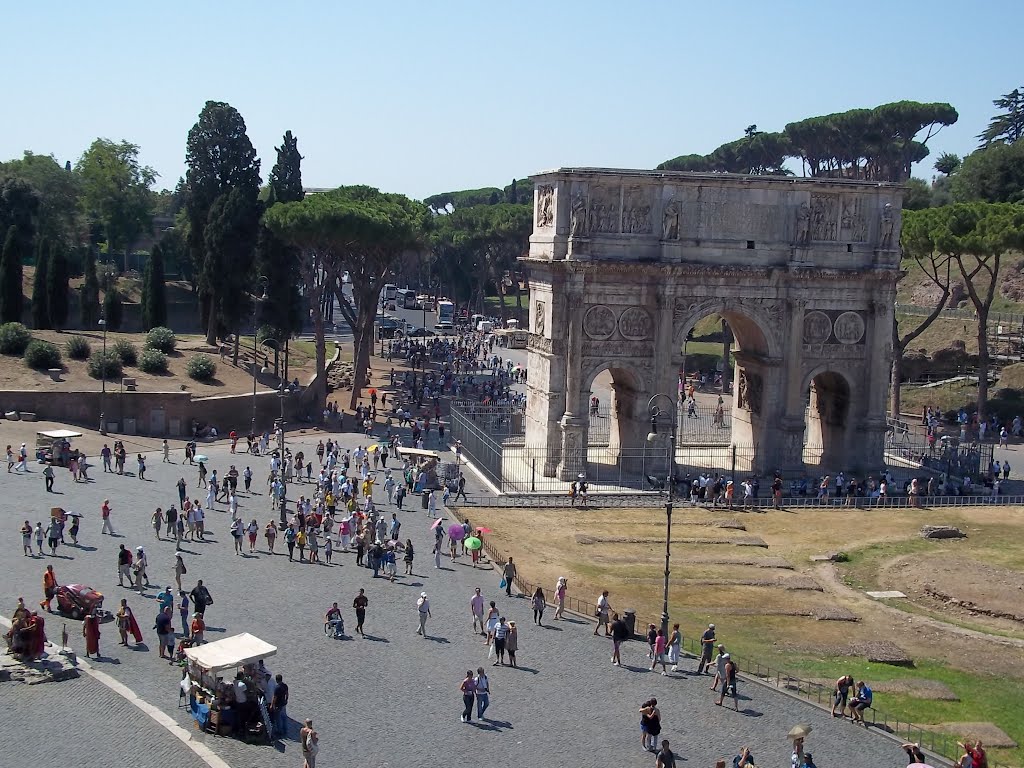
point(421, 333)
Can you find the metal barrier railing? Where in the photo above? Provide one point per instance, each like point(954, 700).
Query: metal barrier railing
point(651, 500)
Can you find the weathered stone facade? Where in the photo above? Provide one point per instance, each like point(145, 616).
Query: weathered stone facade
point(624, 263)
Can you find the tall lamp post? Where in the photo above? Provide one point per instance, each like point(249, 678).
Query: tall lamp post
point(652, 436)
point(103, 379)
point(263, 283)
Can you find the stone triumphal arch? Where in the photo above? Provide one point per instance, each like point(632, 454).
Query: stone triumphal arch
point(623, 263)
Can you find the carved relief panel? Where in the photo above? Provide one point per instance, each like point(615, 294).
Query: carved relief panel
point(636, 211)
point(604, 209)
point(853, 222)
point(545, 214)
point(824, 215)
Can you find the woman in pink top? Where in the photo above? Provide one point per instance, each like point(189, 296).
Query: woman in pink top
point(659, 651)
point(560, 589)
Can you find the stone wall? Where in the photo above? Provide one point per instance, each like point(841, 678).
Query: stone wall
point(155, 414)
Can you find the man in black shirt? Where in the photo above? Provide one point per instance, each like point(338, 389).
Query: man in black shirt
point(278, 711)
point(620, 633)
point(201, 598)
point(360, 604)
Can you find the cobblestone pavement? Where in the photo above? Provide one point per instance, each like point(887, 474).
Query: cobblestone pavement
point(82, 722)
point(387, 700)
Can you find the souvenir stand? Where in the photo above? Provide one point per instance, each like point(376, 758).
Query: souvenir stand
point(210, 674)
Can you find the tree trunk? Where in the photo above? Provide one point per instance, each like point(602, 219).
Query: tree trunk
point(363, 347)
point(983, 362)
point(319, 398)
point(211, 328)
point(234, 359)
point(286, 359)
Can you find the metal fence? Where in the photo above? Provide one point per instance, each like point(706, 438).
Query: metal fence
point(943, 745)
point(653, 499)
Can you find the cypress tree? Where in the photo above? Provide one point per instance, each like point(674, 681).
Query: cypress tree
point(154, 296)
point(11, 300)
point(57, 286)
point(90, 295)
point(112, 309)
point(40, 307)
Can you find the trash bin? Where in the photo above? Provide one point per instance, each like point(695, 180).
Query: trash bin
point(425, 500)
point(629, 617)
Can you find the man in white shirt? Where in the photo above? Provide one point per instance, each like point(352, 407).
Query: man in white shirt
point(476, 607)
point(423, 606)
point(603, 610)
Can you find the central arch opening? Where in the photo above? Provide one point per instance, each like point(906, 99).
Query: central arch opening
point(827, 421)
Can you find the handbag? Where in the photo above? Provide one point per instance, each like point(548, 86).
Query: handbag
point(491, 653)
point(503, 583)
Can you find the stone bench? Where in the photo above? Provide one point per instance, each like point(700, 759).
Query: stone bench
point(55, 373)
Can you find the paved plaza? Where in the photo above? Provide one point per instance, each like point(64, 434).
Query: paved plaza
point(390, 699)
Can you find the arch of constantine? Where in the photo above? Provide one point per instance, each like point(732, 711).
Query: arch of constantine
point(624, 263)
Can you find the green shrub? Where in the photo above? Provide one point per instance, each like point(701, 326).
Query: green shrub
point(78, 348)
point(14, 338)
point(201, 368)
point(161, 339)
point(153, 361)
point(126, 352)
point(42, 355)
point(105, 365)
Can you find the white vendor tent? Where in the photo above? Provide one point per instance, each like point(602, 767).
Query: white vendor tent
point(230, 652)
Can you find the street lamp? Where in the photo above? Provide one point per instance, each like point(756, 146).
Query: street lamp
point(282, 393)
point(671, 480)
point(103, 377)
point(263, 283)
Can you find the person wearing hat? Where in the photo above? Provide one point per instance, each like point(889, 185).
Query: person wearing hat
point(140, 568)
point(707, 645)
point(423, 606)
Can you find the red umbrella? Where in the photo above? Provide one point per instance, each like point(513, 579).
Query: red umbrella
point(484, 530)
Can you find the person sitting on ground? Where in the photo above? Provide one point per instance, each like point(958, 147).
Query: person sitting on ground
point(860, 702)
point(333, 618)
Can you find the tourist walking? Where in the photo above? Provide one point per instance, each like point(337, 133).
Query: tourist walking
point(179, 570)
point(270, 533)
point(619, 633)
point(49, 587)
point(707, 645)
point(483, 693)
point(105, 514)
point(423, 606)
point(508, 575)
point(183, 610)
point(126, 624)
point(410, 553)
point(468, 688)
point(658, 651)
point(500, 637)
point(675, 642)
point(539, 604)
point(603, 610)
point(512, 643)
point(561, 587)
point(727, 686)
point(140, 567)
point(360, 603)
point(476, 608)
point(26, 539)
point(310, 742)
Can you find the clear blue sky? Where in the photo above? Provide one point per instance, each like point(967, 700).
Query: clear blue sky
point(423, 97)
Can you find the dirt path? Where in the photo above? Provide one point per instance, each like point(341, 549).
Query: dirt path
point(828, 577)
